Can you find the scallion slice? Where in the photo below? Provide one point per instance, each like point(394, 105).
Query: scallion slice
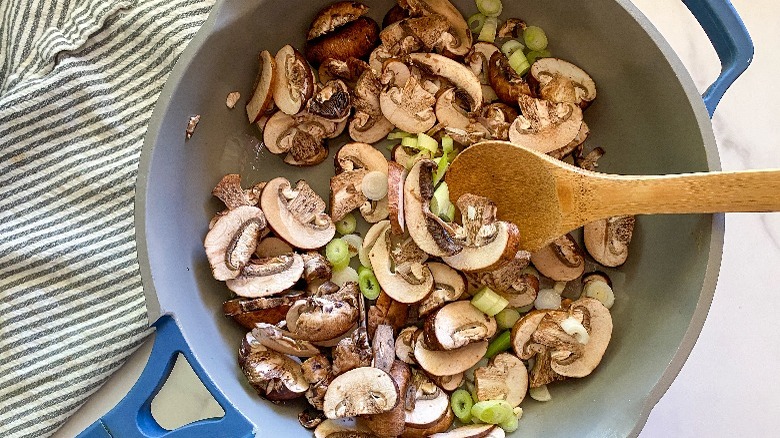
point(489, 302)
point(510, 424)
point(492, 411)
point(535, 38)
point(441, 168)
point(500, 344)
point(398, 135)
point(337, 253)
point(447, 145)
point(507, 318)
point(369, 285)
point(426, 142)
point(462, 403)
point(488, 32)
point(533, 55)
point(490, 8)
point(509, 47)
point(518, 62)
point(476, 22)
point(347, 224)
point(409, 142)
point(440, 202)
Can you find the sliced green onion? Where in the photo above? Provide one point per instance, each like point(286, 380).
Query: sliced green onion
point(476, 22)
point(490, 8)
point(519, 63)
point(462, 403)
point(369, 285)
point(440, 202)
point(540, 394)
point(347, 224)
point(409, 142)
point(488, 32)
point(500, 344)
point(337, 253)
point(533, 55)
point(341, 277)
point(511, 46)
point(601, 291)
point(441, 168)
point(447, 145)
point(426, 142)
point(492, 411)
point(507, 318)
point(398, 135)
point(510, 424)
point(354, 243)
point(535, 38)
point(449, 215)
point(489, 302)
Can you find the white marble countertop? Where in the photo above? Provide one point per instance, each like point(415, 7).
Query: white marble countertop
point(728, 386)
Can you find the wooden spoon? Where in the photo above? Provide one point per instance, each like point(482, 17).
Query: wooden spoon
point(546, 198)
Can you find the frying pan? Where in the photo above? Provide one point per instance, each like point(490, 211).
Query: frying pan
point(648, 117)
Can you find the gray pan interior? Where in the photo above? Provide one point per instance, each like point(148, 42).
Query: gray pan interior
point(648, 116)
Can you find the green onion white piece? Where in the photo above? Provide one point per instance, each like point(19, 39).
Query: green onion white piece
point(519, 63)
point(507, 318)
point(601, 291)
point(354, 243)
point(489, 302)
point(492, 411)
point(440, 202)
point(490, 8)
point(398, 135)
point(535, 38)
point(559, 286)
point(449, 216)
point(409, 142)
point(347, 224)
point(342, 276)
point(541, 393)
point(441, 167)
point(374, 185)
point(426, 142)
point(488, 32)
point(447, 144)
point(510, 424)
point(533, 55)
point(509, 47)
point(547, 299)
point(575, 328)
point(476, 22)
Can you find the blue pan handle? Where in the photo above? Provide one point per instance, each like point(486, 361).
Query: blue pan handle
point(132, 417)
point(731, 40)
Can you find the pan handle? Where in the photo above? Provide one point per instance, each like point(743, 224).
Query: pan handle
point(731, 40)
point(132, 417)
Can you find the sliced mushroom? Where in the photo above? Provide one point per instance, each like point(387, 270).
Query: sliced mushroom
point(353, 162)
point(448, 383)
point(352, 352)
point(368, 125)
point(275, 128)
point(455, 72)
point(458, 39)
point(473, 431)
point(262, 99)
point(509, 281)
point(362, 391)
point(316, 270)
point(441, 425)
point(607, 240)
point(271, 310)
point(562, 81)
point(320, 318)
point(396, 177)
point(311, 418)
point(332, 101)
point(406, 280)
point(404, 344)
point(316, 368)
point(522, 331)
point(561, 260)
point(507, 84)
point(430, 233)
point(505, 378)
point(487, 242)
point(414, 34)
point(598, 322)
point(334, 16)
point(355, 39)
point(478, 60)
point(391, 423)
point(448, 286)
point(297, 214)
point(294, 83)
point(450, 114)
point(283, 341)
point(542, 373)
point(394, 15)
point(375, 211)
point(574, 146)
point(512, 28)
point(343, 428)
point(457, 324)
point(229, 191)
point(348, 71)
point(545, 126)
point(232, 241)
point(267, 276)
point(409, 108)
point(304, 143)
point(448, 362)
point(498, 118)
point(273, 375)
point(386, 311)
point(383, 348)
point(272, 247)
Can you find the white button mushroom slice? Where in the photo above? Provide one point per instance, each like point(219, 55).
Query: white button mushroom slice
point(321, 318)
point(230, 192)
point(430, 233)
point(272, 247)
point(487, 242)
point(330, 343)
point(262, 95)
point(297, 214)
point(344, 276)
point(409, 108)
point(368, 125)
point(574, 146)
point(361, 391)
point(451, 115)
point(391, 423)
point(473, 431)
point(598, 322)
point(561, 260)
point(268, 276)
point(294, 83)
point(273, 375)
point(396, 178)
point(375, 211)
point(456, 325)
point(275, 129)
point(545, 126)
point(333, 427)
point(522, 332)
point(478, 58)
point(283, 341)
point(232, 240)
point(458, 38)
point(448, 383)
point(548, 72)
point(428, 409)
point(458, 74)
point(448, 285)
point(374, 185)
point(607, 240)
point(406, 280)
point(505, 378)
point(353, 162)
point(369, 240)
point(449, 362)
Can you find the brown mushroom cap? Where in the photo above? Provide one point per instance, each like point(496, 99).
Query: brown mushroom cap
point(507, 84)
point(598, 322)
point(271, 310)
point(332, 102)
point(459, 41)
point(232, 240)
point(267, 276)
point(262, 99)
point(362, 391)
point(505, 378)
point(553, 74)
point(297, 214)
point(352, 352)
point(545, 126)
point(473, 431)
point(334, 16)
point(448, 362)
point(456, 325)
point(283, 341)
point(561, 260)
point(355, 39)
point(409, 286)
point(294, 83)
point(272, 374)
point(448, 285)
point(607, 240)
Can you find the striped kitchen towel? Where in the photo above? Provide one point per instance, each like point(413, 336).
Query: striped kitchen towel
point(78, 82)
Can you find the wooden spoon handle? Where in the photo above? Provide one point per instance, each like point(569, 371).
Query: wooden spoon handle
point(748, 191)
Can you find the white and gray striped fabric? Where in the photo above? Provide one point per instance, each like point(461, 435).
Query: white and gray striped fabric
point(78, 82)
